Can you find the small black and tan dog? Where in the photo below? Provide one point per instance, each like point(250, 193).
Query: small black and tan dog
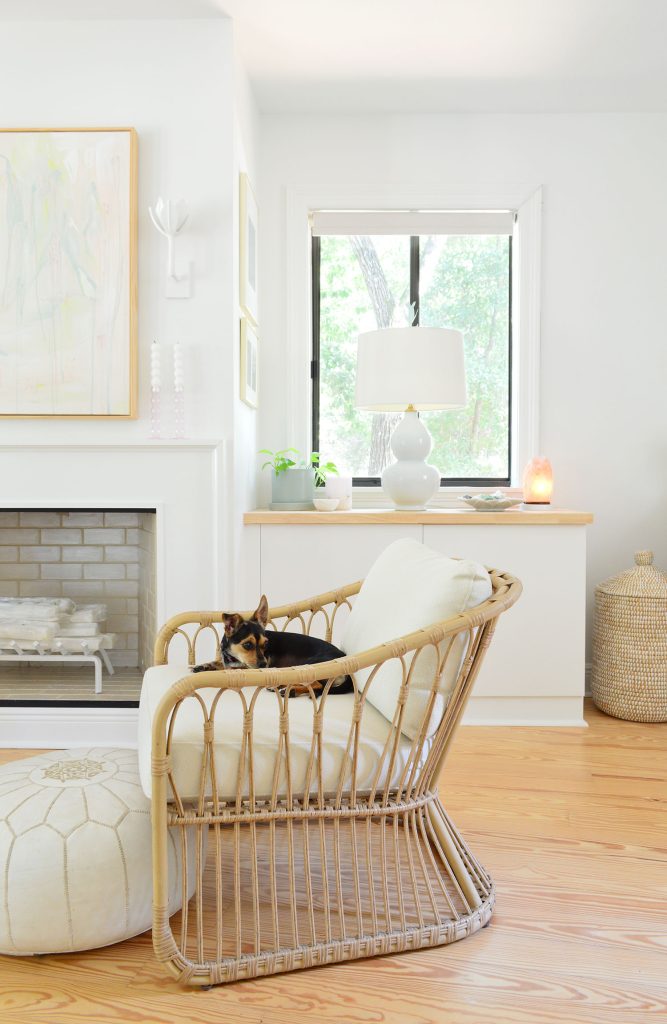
point(247, 643)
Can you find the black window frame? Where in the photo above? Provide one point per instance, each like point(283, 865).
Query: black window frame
point(375, 481)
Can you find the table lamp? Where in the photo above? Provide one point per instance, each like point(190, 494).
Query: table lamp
point(410, 370)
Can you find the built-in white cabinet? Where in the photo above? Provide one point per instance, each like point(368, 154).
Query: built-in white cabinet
point(534, 671)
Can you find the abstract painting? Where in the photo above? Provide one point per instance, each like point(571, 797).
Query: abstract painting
point(68, 272)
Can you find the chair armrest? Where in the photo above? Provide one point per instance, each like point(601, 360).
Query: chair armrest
point(306, 675)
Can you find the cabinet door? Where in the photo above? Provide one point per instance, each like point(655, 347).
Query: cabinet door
point(538, 650)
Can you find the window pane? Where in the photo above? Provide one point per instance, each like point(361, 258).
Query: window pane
point(364, 284)
point(464, 283)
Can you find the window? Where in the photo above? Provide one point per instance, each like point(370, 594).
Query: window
point(382, 269)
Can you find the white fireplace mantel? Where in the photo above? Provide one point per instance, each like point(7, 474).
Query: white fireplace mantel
point(183, 480)
point(160, 444)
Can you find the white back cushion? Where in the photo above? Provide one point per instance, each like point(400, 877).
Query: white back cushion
point(411, 587)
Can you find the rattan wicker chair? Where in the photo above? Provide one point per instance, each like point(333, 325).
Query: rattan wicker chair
point(310, 872)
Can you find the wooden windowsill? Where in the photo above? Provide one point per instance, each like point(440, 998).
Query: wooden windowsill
point(428, 517)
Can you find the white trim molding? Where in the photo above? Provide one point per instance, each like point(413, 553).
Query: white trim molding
point(560, 712)
point(525, 199)
point(526, 308)
point(113, 446)
point(59, 728)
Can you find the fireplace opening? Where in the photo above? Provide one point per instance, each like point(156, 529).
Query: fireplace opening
point(77, 605)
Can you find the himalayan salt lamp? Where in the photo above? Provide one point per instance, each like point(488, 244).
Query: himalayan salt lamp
point(538, 482)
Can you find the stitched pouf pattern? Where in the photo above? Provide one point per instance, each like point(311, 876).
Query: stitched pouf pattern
point(75, 852)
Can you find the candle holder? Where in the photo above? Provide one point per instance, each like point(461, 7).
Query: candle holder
point(156, 390)
point(339, 487)
point(179, 393)
point(538, 484)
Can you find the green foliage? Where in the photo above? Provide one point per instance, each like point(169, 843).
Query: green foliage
point(322, 469)
point(281, 461)
point(464, 283)
point(346, 311)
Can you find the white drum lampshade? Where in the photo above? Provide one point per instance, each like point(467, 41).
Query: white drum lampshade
point(411, 370)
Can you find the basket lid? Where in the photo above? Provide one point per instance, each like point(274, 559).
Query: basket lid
point(643, 580)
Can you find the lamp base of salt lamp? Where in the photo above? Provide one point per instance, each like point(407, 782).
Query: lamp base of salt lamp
point(536, 506)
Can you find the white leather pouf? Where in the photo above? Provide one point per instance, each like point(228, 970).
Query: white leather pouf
point(75, 852)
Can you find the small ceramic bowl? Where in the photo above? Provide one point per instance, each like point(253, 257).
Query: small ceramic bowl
point(325, 504)
point(496, 502)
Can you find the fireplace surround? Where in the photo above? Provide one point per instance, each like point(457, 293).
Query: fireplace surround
point(158, 503)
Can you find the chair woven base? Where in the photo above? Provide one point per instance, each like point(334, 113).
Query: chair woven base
point(399, 893)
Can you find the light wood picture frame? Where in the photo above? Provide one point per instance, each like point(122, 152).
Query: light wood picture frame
point(68, 271)
point(248, 251)
point(249, 364)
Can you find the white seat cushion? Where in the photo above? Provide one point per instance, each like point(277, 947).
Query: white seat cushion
point(187, 742)
point(75, 852)
point(411, 587)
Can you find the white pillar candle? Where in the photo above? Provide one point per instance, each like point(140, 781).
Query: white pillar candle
point(339, 487)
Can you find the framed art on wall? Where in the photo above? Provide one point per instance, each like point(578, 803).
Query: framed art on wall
point(68, 272)
point(248, 248)
point(249, 363)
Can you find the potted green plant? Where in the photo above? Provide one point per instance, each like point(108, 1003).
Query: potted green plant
point(294, 477)
point(322, 469)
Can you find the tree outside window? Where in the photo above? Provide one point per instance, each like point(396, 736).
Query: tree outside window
point(369, 282)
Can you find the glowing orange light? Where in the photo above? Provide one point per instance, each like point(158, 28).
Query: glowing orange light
point(538, 482)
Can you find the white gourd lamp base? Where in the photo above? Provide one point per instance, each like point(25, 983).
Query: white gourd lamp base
point(406, 369)
point(411, 482)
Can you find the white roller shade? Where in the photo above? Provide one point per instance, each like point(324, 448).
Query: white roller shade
point(412, 222)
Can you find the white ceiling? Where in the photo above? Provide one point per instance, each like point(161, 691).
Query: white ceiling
point(467, 55)
point(427, 55)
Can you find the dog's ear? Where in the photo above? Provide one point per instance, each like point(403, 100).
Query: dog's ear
point(261, 613)
point(232, 622)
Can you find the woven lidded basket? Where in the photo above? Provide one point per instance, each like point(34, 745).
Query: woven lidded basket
point(629, 678)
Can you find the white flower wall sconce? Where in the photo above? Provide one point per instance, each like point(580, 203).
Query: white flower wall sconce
point(169, 218)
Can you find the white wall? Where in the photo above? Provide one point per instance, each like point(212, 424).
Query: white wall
point(243, 555)
point(180, 85)
point(172, 81)
point(604, 308)
point(604, 261)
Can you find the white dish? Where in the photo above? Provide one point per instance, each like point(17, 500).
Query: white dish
point(495, 502)
point(325, 504)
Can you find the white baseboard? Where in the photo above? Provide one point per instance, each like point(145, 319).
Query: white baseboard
point(531, 711)
point(68, 727)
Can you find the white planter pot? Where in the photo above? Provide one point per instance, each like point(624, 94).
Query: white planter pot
point(293, 489)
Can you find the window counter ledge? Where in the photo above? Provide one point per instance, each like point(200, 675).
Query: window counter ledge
point(427, 517)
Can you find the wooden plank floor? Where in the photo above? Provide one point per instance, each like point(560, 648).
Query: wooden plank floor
point(572, 825)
